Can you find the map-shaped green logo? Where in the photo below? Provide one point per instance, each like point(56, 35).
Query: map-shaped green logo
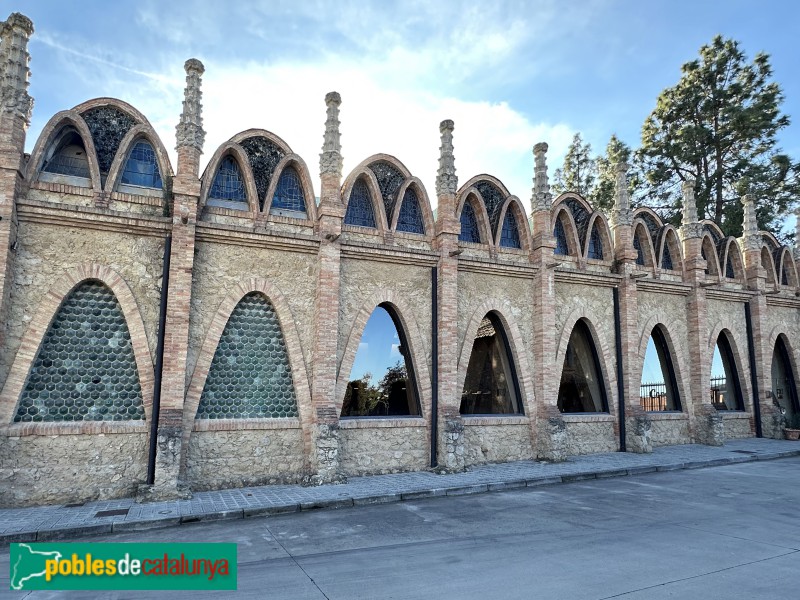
point(28, 564)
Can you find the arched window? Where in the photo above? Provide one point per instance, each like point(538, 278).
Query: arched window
point(784, 390)
point(784, 276)
point(250, 375)
point(85, 369)
point(509, 236)
point(410, 217)
point(289, 200)
point(729, 273)
point(68, 157)
point(637, 245)
point(562, 247)
point(359, 209)
point(382, 380)
point(595, 245)
point(469, 225)
point(659, 388)
point(582, 388)
point(666, 258)
point(141, 168)
point(228, 188)
point(490, 387)
point(726, 392)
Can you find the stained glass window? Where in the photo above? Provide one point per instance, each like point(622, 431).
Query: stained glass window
point(289, 195)
point(410, 217)
point(469, 225)
point(666, 259)
point(359, 209)
point(595, 245)
point(85, 369)
point(141, 167)
point(228, 184)
point(561, 239)
point(509, 237)
point(639, 252)
point(729, 273)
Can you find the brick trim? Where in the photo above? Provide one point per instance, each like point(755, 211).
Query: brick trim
point(137, 133)
point(649, 250)
point(513, 203)
point(563, 212)
point(424, 204)
point(292, 160)
point(381, 221)
point(741, 362)
point(599, 220)
point(210, 172)
point(678, 354)
point(473, 196)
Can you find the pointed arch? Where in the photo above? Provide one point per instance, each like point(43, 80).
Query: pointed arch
point(730, 393)
point(417, 347)
point(731, 257)
point(678, 353)
point(293, 161)
point(581, 212)
point(714, 230)
point(136, 134)
point(769, 265)
point(514, 207)
point(257, 132)
point(493, 194)
point(502, 310)
point(668, 398)
point(783, 378)
point(415, 184)
point(210, 174)
point(50, 138)
point(650, 218)
point(367, 178)
point(563, 215)
point(45, 313)
point(643, 244)
point(669, 250)
point(600, 237)
point(471, 197)
point(584, 386)
point(709, 253)
point(787, 269)
point(120, 105)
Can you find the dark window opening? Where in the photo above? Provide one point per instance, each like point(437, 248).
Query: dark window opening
point(509, 237)
point(595, 245)
point(729, 273)
point(726, 391)
point(383, 381)
point(141, 167)
point(582, 388)
point(469, 225)
point(659, 388)
point(784, 276)
point(562, 247)
point(784, 389)
point(69, 157)
point(410, 217)
point(637, 244)
point(228, 188)
point(491, 386)
point(359, 208)
point(666, 259)
point(289, 200)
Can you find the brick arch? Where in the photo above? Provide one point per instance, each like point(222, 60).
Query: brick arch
point(65, 118)
point(599, 221)
point(712, 259)
point(256, 132)
point(787, 262)
point(668, 238)
point(291, 337)
point(769, 266)
point(392, 160)
point(605, 354)
point(136, 134)
point(522, 365)
point(414, 338)
point(299, 165)
point(740, 360)
point(489, 178)
point(733, 253)
point(121, 105)
point(424, 205)
point(45, 313)
point(648, 249)
point(210, 172)
point(570, 228)
point(513, 204)
point(473, 196)
point(381, 222)
point(778, 332)
point(678, 352)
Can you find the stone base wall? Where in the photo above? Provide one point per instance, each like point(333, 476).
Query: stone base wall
point(375, 446)
point(591, 436)
point(59, 469)
point(737, 426)
point(228, 459)
point(666, 430)
point(491, 443)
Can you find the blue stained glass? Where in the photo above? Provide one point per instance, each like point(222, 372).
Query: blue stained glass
point(729, 269)
point(639, 252)
point(509, 238)
point(666, 260)
point(228, 184)
point(410, 217)
point(359, 209)
point(469, 225)
point(288, 194)
point(142, 167)
point(595, 245)
point(561, 239)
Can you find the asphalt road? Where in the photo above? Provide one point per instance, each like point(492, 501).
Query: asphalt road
point(724, 532)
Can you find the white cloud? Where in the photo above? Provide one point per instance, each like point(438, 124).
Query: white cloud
point(395, 353)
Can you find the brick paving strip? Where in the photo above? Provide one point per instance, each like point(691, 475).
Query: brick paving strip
point(60, 522)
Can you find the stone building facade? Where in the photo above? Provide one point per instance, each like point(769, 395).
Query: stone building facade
point(125, 282)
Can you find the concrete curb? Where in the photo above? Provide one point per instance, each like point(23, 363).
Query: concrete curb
point(67, 531)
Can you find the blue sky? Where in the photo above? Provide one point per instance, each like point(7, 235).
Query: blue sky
point(510, 73)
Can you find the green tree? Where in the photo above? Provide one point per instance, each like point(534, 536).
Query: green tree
point(718, 125)
point(579, 172)
point(602, 194)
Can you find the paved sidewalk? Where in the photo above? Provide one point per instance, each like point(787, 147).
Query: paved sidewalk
point(64, 522)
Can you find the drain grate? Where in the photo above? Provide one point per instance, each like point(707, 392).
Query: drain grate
point(117, 512)
point(744, 451)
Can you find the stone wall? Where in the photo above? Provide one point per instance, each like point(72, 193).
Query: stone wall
point(669, 430)
point(506, 440)
point(374, 446)
point(591, 434)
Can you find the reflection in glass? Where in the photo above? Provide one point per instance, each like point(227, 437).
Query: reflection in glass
point(582, 388)
point(726, 393)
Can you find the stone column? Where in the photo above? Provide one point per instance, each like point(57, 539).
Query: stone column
point(637, 421)
point(448, 227)
point(15, 116)
point(323, 444)
point(173, 432)
point(705, 422)
point(549, 430)
point(750, 243)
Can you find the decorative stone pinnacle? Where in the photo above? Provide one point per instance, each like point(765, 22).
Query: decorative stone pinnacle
point(691, 226)
point(330, 160)
point(750, 235)
point(446, 178)
point(541, 196)
point(190, 132)
point(622, 214)
point(14, 72)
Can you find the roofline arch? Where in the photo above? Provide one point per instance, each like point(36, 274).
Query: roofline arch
point(605, 236)
point(787, 262)
point(117, 103)
point(518, 211)
point(210, 172)
point(393, 160)
point(381, 223)
point(716, 228)
point(570, 231)
point(137, 133)
point(293, 160)
point(649, 250)
point(473, 196)
point(712, 258)
point(666, 234)
point(768, 263)
point(574, 196)
point(485, 177)
point(730, 248)
point(255, 132)
point(422, 198)
point(650, 212)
